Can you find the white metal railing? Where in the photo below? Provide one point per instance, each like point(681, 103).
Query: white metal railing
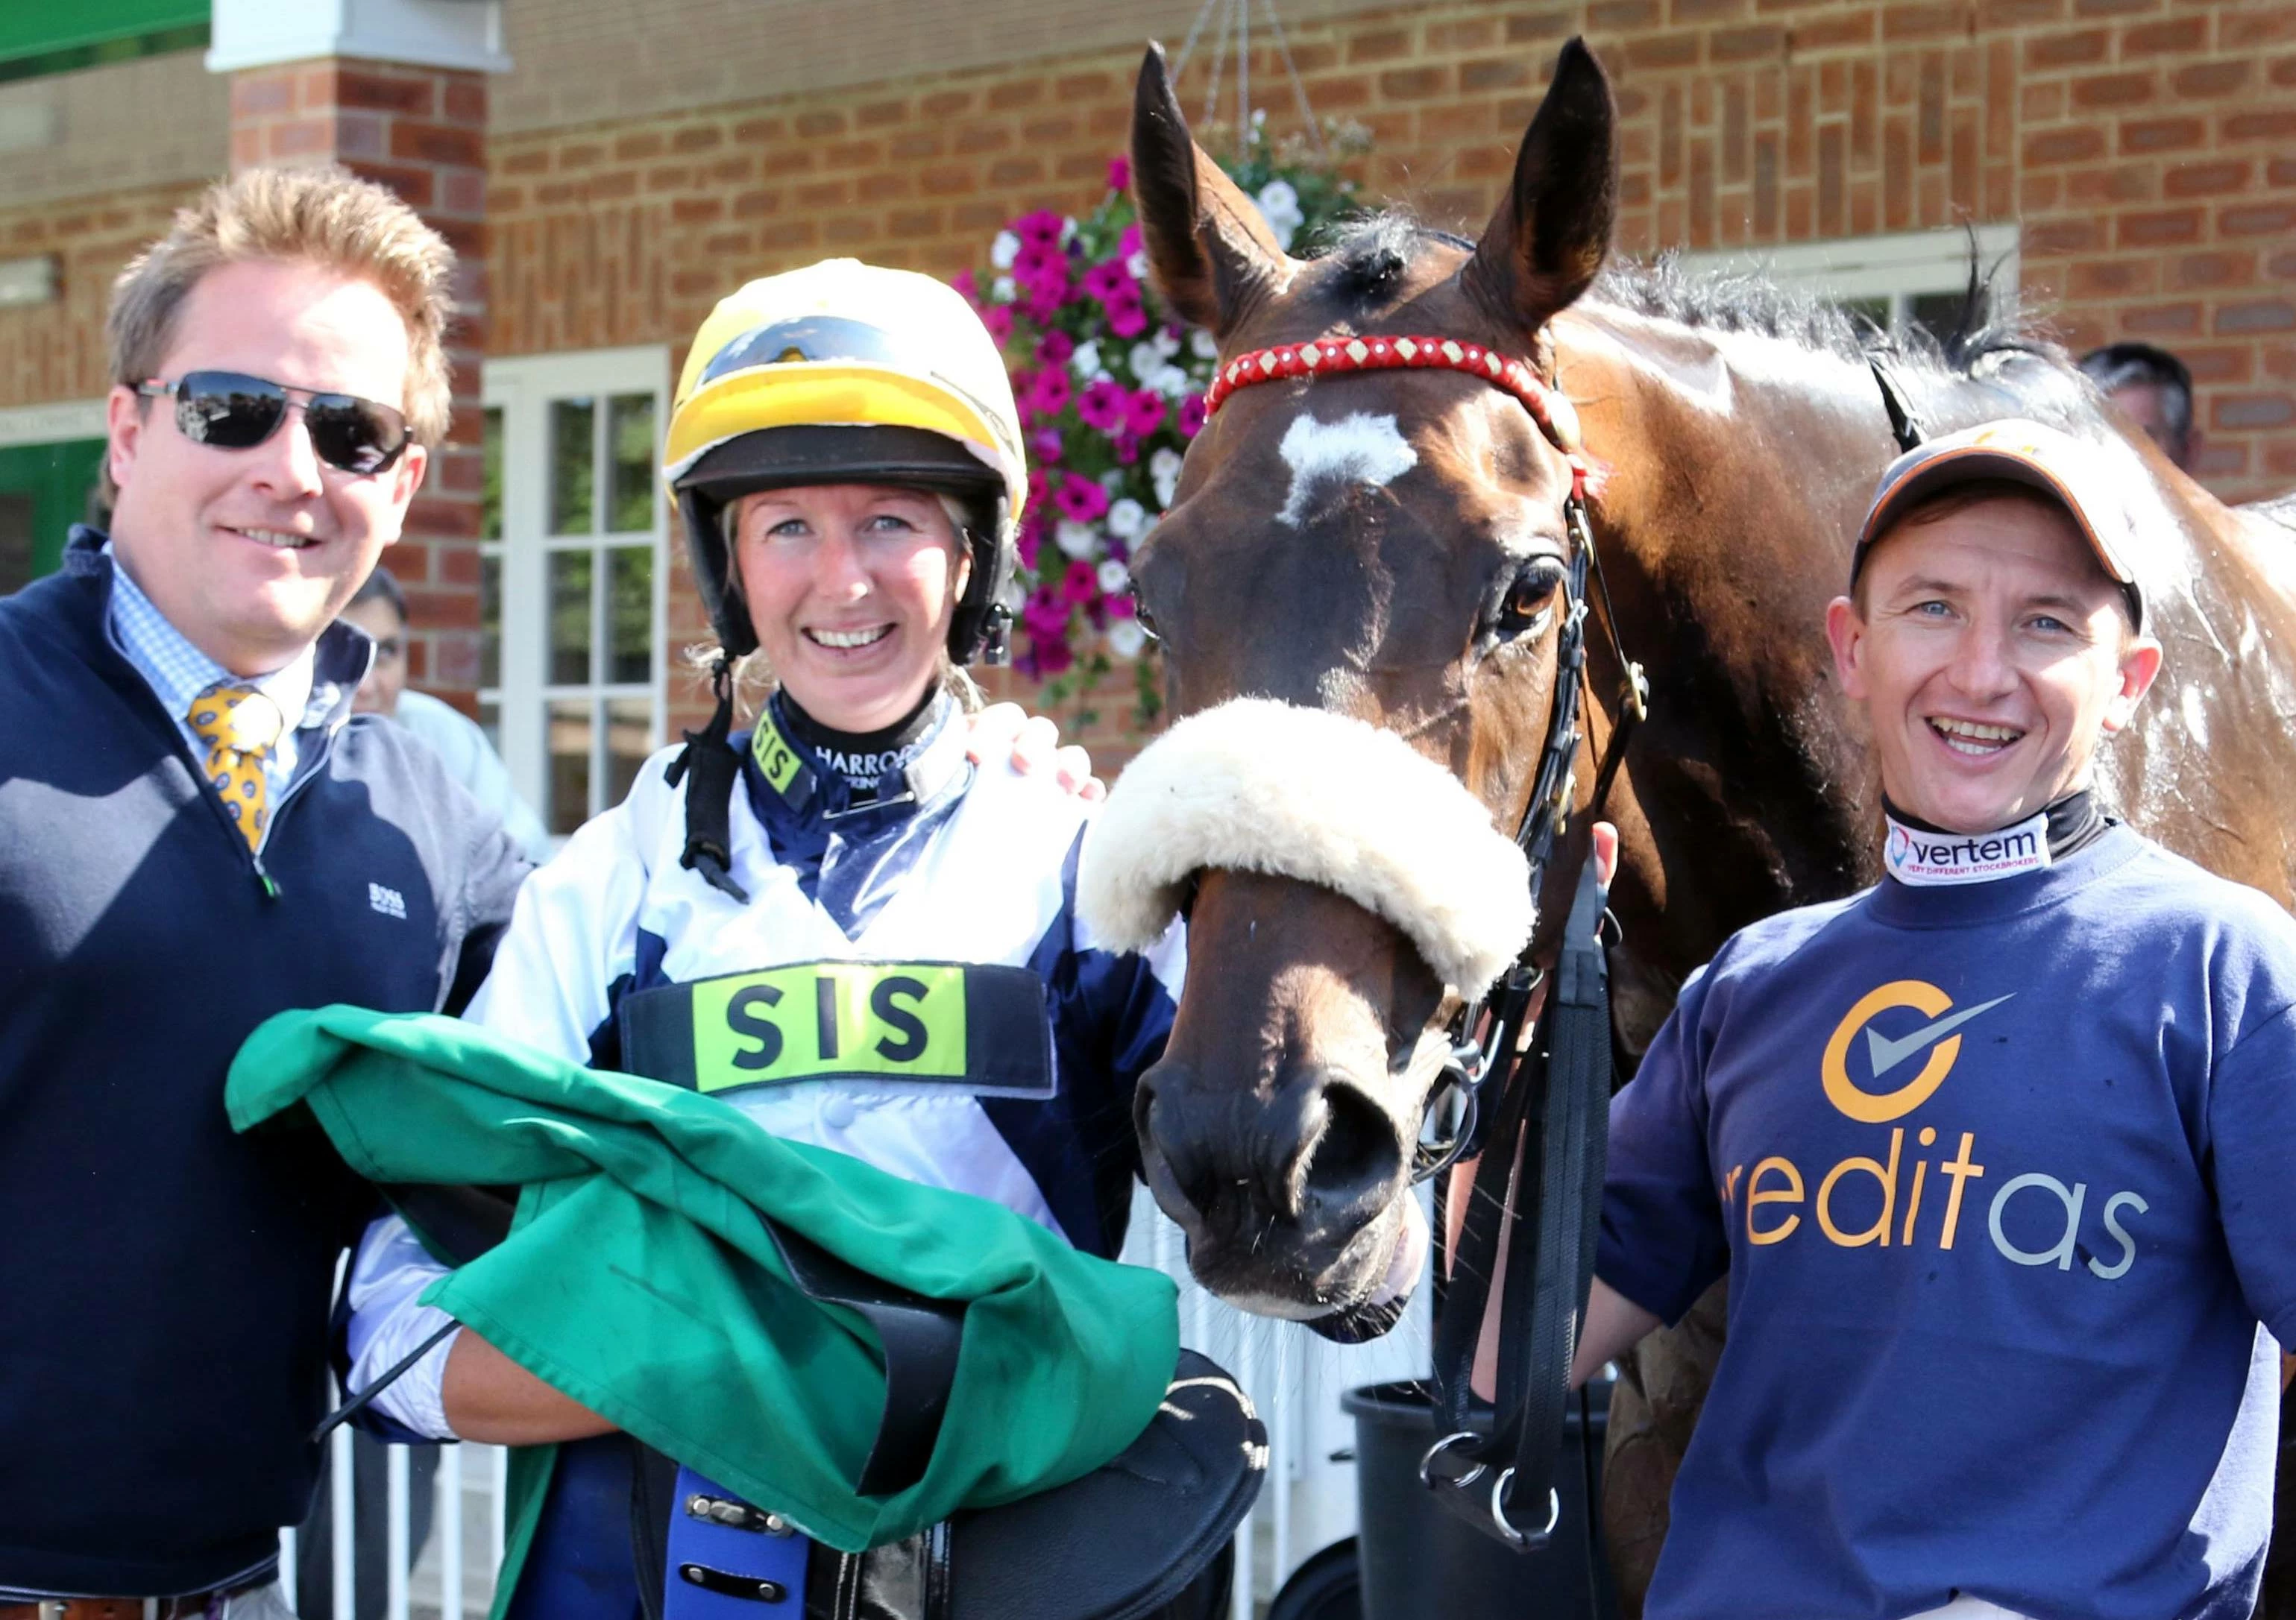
point(1294, 1379)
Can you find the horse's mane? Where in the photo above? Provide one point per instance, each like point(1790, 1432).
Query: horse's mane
point(1989, 340)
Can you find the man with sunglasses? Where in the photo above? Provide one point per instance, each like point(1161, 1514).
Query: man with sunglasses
point(199, 834)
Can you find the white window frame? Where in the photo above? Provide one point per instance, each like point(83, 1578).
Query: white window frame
point(522, 388)
point(1898, 267)
point(60, 423)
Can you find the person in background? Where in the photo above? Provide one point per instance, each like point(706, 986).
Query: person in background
point(2154, 389)
point(380, 608)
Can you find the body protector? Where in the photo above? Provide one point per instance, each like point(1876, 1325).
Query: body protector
point(839, 373)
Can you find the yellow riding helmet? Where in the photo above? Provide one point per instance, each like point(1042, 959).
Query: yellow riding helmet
point(846, 373)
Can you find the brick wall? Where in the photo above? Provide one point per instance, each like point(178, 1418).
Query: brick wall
point(2144, 144)
point(55, 351)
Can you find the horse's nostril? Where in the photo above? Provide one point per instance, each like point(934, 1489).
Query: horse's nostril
point(1356, 1154)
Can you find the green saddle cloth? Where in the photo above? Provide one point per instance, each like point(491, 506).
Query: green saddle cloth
point(639, 1278)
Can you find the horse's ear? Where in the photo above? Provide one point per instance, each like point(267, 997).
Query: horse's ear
point(1209, 251)
point(1552, 231)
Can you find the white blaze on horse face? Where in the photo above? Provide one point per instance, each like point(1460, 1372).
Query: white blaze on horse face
point(1361, 448)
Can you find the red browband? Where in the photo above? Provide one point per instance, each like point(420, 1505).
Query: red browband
point(1324, 357)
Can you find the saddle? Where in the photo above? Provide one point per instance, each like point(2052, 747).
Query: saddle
point(1147, 1536)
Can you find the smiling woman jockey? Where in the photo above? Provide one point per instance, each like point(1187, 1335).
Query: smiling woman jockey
point(844, 451)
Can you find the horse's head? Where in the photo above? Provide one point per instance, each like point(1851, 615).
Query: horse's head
point(1388, 546)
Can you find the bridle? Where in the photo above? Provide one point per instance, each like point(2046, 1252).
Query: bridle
point(1554, 1106)
point(1476, 1070)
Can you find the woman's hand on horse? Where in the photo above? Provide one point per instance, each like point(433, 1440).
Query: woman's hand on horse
point(1606, 853)
point(1033, 745)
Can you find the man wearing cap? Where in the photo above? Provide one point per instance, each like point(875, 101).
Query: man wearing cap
point(1995, 1154)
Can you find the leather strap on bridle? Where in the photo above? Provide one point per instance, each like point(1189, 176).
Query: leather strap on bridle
point(1555, 1105)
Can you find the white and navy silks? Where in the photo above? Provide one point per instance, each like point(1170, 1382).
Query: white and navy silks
point(934, 860)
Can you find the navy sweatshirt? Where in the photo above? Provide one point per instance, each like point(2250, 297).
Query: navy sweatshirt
point(164, 1281)
point(2000, 1174)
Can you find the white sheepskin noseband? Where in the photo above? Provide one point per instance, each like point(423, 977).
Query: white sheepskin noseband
point(1260, 786)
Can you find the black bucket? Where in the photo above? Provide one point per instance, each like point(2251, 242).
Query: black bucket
point(1420, 1558)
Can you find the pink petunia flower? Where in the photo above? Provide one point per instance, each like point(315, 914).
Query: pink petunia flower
point(963, 282)
point(1128, 448)
point(1192, 416)
point(1050, 393)
point(1127, 316)
point(1109, 280)
point(1035, 263)
point(998, 319)
point(1080, 499)
point(1119, 605)
point(1040, 229)
point(1144, 413)
point(1081, 583)
point(1030, 539)
point(1055, 348)
point(1044, 445)
point(1120, 173)
point(1043, 615)
point(1045, 302)
point(1103, 405)
point(1130, 242)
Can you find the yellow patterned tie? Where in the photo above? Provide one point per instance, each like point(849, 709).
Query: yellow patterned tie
point(240, 725)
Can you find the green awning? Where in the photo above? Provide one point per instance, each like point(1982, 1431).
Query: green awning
point(87, 26)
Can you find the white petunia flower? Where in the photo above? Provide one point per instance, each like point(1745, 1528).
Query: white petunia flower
point(1085, 361)
point(1203, 345)
point(1138, 264)
point(1164, 472)
point(1015, 597)
point(1077, 539)
point(1126, 518)
point(1166, 345)
point(1114, 576)
point(1004, 249)
point(1002, 290)
point(1173, 383)
point(1279, 205)
point(1126, 638)
point(1068, 231)
point(1145, 360)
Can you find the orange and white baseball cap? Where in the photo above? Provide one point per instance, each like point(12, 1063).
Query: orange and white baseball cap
point(2076, 475)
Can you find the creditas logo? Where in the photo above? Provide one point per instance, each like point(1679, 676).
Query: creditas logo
point(1901, 1022)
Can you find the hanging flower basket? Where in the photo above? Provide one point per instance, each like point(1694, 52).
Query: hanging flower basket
point(1111, 387)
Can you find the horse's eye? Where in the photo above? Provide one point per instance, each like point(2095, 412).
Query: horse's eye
point(1140, 616)
point(1529, 598)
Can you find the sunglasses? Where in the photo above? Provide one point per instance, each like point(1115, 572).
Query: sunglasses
point(233, 412)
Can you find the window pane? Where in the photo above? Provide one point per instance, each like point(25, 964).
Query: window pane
point(573, 466)
point(490, 524)
point(490, 618)
point(629, 440)
point(1876, 309)
point(1939, 313)
point(490, 721)
point(629, 615)
point(569, 766)
point(629, 738)
point(569, 619)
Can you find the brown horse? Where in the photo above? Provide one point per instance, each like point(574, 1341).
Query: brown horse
point(1412, 589)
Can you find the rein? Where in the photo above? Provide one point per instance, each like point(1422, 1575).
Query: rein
point(1555, 1105)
